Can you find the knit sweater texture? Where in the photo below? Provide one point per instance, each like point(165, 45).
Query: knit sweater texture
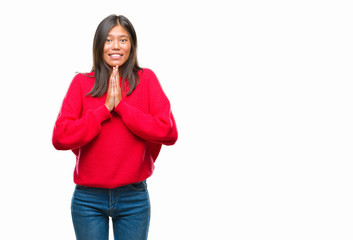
point(114, 148)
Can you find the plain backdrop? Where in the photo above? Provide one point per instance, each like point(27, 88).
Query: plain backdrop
point(262, 96)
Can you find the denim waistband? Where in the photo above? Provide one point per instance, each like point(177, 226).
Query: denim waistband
point(144, 182)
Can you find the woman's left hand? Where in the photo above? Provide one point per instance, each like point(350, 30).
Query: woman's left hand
point(117, 90)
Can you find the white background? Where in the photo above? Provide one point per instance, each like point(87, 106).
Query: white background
point(261, 92)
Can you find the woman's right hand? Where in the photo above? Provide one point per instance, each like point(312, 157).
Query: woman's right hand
point(114, 92)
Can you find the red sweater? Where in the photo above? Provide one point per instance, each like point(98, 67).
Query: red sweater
point(114, 148)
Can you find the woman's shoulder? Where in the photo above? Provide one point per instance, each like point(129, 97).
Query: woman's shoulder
point(84, 78)
point(147, 74)
point(88, 75)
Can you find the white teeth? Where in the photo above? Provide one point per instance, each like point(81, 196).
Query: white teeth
point(115, 55)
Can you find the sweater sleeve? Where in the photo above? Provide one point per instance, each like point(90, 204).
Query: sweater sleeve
point(158, 125)
point(72, 130)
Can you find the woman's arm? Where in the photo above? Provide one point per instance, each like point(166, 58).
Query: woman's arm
point(156, 126)
point(72, 130)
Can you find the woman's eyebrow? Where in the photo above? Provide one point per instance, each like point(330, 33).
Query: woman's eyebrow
point(111, 35)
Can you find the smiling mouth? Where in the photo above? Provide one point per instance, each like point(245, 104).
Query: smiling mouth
point(115, 56)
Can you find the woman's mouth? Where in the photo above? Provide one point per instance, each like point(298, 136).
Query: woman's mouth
point(115, 56)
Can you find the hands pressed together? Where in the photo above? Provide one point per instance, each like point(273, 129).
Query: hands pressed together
point(114, 90)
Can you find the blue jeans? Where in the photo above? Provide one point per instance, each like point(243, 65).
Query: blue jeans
point(128, 206)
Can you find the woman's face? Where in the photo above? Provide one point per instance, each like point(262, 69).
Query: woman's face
point(117, 47)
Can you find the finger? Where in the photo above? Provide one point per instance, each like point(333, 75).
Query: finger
point(110, 83)
point(114, 78)
point(117, 72)
point(113, 73)
point(113, 81)
point(114, 90)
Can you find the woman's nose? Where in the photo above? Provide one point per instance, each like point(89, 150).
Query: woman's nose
point(116, 45)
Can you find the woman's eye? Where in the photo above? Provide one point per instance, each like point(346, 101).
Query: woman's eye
point(123, 40)
point(108, 40)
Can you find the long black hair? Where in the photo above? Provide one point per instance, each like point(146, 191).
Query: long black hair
point(128, 71)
